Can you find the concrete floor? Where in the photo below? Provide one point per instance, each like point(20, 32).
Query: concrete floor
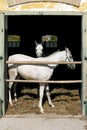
point(42, 122)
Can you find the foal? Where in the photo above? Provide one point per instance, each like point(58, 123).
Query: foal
point(38, 72)
point(39, 53)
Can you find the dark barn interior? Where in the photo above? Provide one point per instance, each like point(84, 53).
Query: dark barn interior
point(31, 28)
point(66, 28)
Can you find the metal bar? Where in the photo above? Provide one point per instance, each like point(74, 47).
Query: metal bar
point(41, 62)
point(42, 81)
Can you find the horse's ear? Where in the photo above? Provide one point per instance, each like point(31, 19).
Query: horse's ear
point(66, 49)
point(36, 43)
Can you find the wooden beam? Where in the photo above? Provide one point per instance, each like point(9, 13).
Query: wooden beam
point(42, 62)
point(48, 81)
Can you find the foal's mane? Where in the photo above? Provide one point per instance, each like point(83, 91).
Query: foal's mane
point(56, 52)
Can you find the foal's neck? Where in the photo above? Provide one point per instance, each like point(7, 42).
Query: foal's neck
point(57, 56)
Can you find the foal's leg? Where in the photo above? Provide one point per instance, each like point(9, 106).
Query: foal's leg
point(12, 76)
point(48, 96)
point(41, 93)
point(14, 88)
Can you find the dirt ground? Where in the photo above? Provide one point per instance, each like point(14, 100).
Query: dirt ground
point(65, 98)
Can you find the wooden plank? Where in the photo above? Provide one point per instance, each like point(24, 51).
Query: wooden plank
point(84, 60)
point(42, 62)
point(86, 87)
point(2, 32)
point(48, 81)
point(55, 13)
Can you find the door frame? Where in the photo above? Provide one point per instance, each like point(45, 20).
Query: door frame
point(3, 28)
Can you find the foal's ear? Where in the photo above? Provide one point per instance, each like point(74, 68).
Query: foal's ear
point(36, 43)
point(66, 49)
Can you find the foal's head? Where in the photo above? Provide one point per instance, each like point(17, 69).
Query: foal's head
point(69, 58)
point(39, 49)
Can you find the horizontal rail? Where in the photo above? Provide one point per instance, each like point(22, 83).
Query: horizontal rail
point(42, 62)
point(42, 81)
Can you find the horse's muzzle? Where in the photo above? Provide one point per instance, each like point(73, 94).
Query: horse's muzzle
point(73, 66)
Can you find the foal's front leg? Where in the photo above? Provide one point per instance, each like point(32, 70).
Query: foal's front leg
point(48, 96)
point(12, 76)
point(41, 94)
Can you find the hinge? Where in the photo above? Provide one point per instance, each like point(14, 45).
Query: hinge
point(1, 57)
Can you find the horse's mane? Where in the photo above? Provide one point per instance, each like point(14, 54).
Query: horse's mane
point(53, 53)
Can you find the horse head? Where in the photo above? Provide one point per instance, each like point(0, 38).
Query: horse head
point(39, 49)
point(69, 58)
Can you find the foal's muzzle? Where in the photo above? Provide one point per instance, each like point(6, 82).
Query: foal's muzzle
point(72, 66)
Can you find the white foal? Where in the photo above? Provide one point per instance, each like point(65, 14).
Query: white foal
point(38, 72)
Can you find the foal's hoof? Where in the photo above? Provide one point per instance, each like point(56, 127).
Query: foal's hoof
point(41, 111)
point(15, 100)
point(11, 104)
point(52, 106)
